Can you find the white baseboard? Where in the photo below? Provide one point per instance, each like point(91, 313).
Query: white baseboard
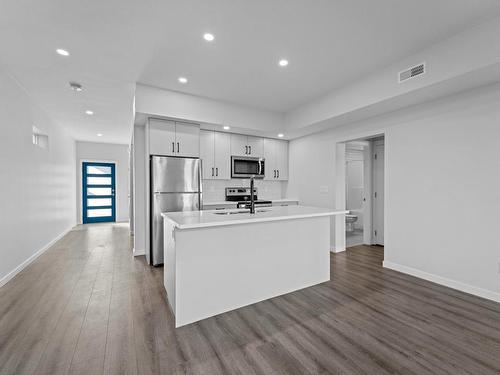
point(27, 262)
point(138, 252)
point(334, 250)
point(484, 293)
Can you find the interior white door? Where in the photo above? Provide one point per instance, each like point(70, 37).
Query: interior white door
point(207, 153)
point(222, 156)
point(378, 193)
point(187, 138)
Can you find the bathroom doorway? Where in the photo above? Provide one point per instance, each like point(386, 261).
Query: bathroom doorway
point(364, 161)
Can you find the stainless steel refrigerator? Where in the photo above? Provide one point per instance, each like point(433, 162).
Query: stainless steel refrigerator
point(175, 186)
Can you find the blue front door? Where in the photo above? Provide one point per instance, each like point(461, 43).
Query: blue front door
point(98, 192)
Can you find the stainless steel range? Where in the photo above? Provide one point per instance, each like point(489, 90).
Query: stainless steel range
point(242, 196)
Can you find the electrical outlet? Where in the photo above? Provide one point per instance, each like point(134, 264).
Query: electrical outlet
point(323, 189)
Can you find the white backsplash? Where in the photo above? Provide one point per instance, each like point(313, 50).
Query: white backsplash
point(214, 190)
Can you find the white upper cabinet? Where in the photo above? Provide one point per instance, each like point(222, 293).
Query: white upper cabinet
point(282, 160)
point(239, 146)
point(270, 156)
point(173, 138)
point(276, 155)
point(187, 139)
point(207, 153)
point(256, 146)
point(243, 145)
point(161, 137)
point(215, 152)
point(222, 157)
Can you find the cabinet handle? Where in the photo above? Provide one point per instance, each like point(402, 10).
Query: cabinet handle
point(173, 146)
point(177, 146)
point(278, 175)
point(246, 150)
point(275, 173)
point(212, 171)
point(217, 172)
point(250, 147)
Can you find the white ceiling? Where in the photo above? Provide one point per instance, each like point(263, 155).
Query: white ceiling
point(115, 43)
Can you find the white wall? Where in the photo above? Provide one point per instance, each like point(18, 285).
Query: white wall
point(442, 186)
point(474, 50)
point(139, 144)
point(106, 152)
point(159, 102)
point(37, 186)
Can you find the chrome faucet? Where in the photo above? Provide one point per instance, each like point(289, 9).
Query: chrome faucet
point(252, 198)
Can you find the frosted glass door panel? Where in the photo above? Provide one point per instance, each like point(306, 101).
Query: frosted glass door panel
point(98, 191)
point(99, 202)
point(98, 169)
point(103, 212)
point(99, 181)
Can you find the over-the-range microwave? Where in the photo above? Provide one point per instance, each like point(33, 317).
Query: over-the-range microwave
point(247, 166)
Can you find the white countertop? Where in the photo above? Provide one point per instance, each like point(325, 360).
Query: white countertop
point(212, 218)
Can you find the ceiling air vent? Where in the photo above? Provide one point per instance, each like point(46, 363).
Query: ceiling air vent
point(411, 72)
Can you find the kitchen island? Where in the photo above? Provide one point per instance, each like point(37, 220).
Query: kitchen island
point(217, 261)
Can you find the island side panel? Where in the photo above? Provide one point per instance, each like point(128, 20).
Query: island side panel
point(223, 268)
point(169, 261)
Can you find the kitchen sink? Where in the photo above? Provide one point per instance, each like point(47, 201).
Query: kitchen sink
point(230, 212)
point(237, 212)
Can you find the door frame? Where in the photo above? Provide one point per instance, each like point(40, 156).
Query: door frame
point(374, 222)
point(340, 182)
point(79, 185)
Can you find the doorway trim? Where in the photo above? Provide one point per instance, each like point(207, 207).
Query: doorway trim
point(79, 185)
point(85, 196)
point(340, 181)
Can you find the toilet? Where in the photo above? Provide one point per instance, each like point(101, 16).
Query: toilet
point(349, 222)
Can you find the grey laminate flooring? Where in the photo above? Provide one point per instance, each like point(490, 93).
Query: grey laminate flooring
point(87, 306)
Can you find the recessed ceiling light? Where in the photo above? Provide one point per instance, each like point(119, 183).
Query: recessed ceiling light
point(283, 62)
point(75, 86)
point(99, 134)
point(89, 112)
point(281, 135)
point(183, 80)
point(227, 127)
point(62, 52)
point(208, 37)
